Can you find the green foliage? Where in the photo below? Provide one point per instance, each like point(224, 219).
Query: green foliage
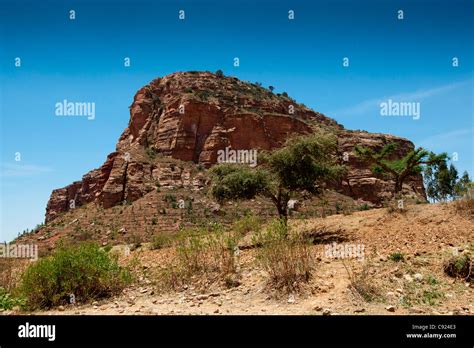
point(463, 185)
point(169, 198)
point(151, 153)
point(7, 301)
point(460, 267)
point(304, 163)
point(247, 224)
point(396, 256)
point(442, 182)
point(398, 169)
point(432, 297)
point(84, 271)
point(232, 181)
point(219, 73)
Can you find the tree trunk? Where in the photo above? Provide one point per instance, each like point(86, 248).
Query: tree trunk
point(283, 212)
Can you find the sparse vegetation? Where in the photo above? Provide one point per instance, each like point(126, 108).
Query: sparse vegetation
point(151, 153)
point(397, 257)
point(247, 224)
point(361, 283)
point(160, 241)
point(288, 261)
point(200, 256)
point(432, 297)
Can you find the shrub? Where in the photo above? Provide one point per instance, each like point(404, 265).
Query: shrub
point(459, 267)
point(83, 271)
point(219, 73)
point(169, 198)
point(151, 153)
point(287, 260)
point(248, 223)
point(160, 241)
point(431, 297)
point(396, 256)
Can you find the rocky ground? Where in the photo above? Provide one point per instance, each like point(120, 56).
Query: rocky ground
point(425, 235)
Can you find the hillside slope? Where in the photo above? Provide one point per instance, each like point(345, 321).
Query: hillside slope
point(425, 235)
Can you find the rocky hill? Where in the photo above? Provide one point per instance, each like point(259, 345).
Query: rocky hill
point(189, 117)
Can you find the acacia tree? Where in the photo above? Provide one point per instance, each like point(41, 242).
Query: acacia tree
point(305, 163)
point(399, 170)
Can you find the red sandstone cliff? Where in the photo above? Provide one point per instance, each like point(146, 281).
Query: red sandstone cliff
point(190, 116)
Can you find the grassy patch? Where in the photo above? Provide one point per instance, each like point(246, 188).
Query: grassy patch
point(397, 257)
point(160, 241)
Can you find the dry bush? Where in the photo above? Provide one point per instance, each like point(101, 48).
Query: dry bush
point(361, 283)
point(10, 272)
point(201, 257)
point(464, 207)
point(287, 259)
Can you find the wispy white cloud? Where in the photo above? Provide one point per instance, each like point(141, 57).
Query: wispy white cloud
point(22, 170)
point(451, 137)
point(418, 95)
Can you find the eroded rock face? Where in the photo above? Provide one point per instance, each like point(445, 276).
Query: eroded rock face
point(360, 182)
point(189, 117)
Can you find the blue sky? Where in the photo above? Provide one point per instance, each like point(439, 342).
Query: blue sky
point(82, 60)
